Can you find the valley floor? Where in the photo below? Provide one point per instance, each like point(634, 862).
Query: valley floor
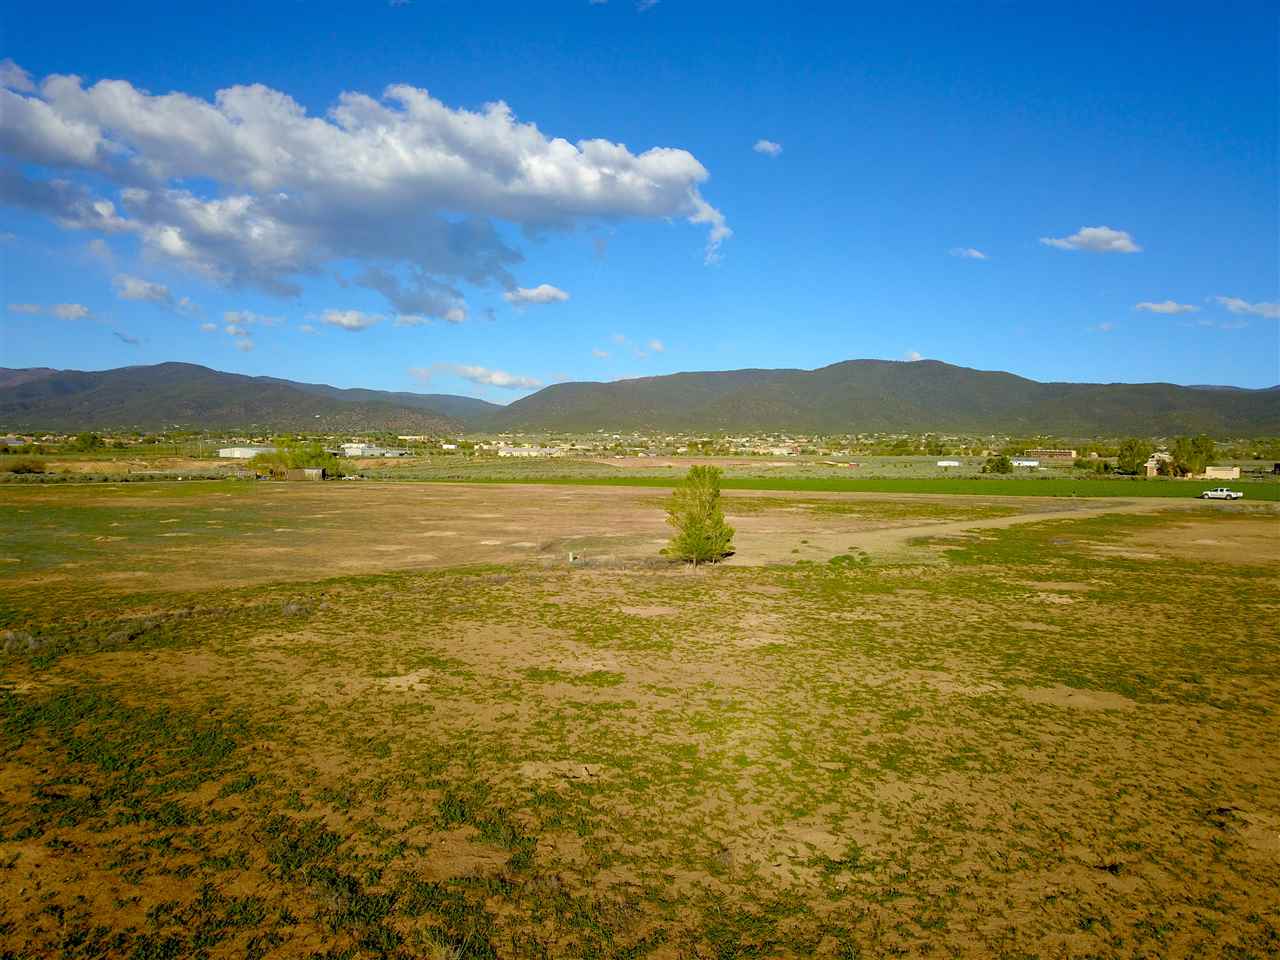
point(392, 720)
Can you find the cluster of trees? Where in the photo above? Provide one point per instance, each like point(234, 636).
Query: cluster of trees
point(701, 533)
point(293, 454)
point(1186, 455)
point(998, 464)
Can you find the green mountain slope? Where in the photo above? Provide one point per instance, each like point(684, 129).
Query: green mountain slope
point(877, 395)
point(857, 396)
point(182, 394)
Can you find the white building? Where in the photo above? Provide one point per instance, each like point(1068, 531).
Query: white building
point(948, 463)
point(1024, 462)
point(525, 452)
point(243, 453)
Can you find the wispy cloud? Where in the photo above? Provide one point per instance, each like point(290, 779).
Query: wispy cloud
point(63, 311)
point(768, 147)
point(351, 320)
point(1266, 310)
point(482, 376)
point(69, 311)
point(600, 354)
point(1165, 306)
point(144, 291)
point(967, 253)
point(247, 318)
point(542, 293)
point(1095, 240)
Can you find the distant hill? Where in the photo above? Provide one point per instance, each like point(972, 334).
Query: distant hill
point(183, 394)
point(866, 396)
point(857, 396)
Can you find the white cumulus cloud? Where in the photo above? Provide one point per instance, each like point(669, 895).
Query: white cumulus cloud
point(542, 293)
point(1165, 306)
point(1269, 311)
point(1095, 240)
point(13, 77)
point(768, 148)
point(483, 376)
point(495, 378)
point(399, 183)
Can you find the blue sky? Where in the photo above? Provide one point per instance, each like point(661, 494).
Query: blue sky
point(936, 188)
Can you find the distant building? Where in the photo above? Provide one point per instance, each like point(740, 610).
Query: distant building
point(1220, 473)
point(1152, 467)
point(305, 473)
point(1052, 454)
point(948, 463)
point(525, 452)
point(1024, 462)
point(369, 450)
point(243, 453)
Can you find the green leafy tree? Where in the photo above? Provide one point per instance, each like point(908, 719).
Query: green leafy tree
point(701, 536)
point(1134, 453)
point(1191, 455)
point(84, 442)
point(998, 464)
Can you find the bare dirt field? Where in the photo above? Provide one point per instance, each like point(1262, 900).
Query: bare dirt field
point(140, 536)
point(391, 720)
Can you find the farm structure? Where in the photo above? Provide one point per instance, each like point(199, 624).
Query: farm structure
point(243, 453)
point(306, 473)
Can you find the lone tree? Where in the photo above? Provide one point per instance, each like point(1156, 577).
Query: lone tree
point(701, 534)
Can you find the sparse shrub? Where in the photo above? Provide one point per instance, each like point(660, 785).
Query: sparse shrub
point(23, 465)
point(19, 641)
point(702, 536)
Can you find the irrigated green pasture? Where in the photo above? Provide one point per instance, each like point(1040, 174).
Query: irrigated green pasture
point(871, 734)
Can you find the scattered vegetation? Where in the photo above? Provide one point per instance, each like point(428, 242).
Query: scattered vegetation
point(22, 465)
point(844, 757)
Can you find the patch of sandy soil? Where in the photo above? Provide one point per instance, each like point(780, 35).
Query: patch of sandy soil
point(1064, 696)
point(1246, 539)
point(654, 611)
point(555, 770)
point(457, 854)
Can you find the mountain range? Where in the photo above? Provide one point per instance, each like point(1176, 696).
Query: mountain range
point(856, 396)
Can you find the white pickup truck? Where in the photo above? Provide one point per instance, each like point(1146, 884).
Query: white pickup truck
point(1221, 493)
